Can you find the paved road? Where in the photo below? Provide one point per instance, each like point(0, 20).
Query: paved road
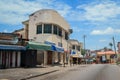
point(93, 72)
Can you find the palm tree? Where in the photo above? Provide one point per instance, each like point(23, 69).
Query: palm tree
point(110, 44)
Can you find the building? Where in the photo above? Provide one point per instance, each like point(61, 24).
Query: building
point(76, 47)
point(118, 45)
point(48, 33)
point(106, 57)
point(10, 53)
point(93, 56)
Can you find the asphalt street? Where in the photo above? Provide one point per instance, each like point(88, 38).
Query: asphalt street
point(93, 72)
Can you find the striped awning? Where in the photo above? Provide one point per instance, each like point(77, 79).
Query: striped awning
point(12, 47)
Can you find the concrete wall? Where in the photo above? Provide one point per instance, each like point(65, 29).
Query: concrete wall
point(40, 57)
point(19, 59)
point(47, 16)
point(45, 57)
point(13, 59)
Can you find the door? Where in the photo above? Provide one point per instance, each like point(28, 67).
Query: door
point(49, 57)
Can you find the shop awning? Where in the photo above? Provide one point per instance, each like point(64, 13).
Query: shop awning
point(73, 52)
point(58, 49)
point(11, 47)
point(38, 46)
point(106, 53)
point(81, 56)
point(75, 56)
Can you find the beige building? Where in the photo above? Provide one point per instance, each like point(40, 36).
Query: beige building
point(47, 28)
point(118, 45)
point(106, 57)
point(76, 47)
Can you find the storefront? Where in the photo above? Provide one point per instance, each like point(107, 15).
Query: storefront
point(59, 55)
point(47, 54)
point(10, 56)
point(106, 57)
point(76, 58)
point(29, 58)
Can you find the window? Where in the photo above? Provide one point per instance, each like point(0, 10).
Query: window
point(47, 28)
point(55, 29)
point(60, 32)
point(66, 36)
point(73, 47)
point(39, 29)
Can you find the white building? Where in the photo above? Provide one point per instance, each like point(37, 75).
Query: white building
point(47, 28)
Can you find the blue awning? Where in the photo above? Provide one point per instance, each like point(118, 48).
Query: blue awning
point(73, 52)
point(50, 43)
point(11, 47)
point(58, 49)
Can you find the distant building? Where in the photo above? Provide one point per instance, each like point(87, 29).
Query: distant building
point(87, 53)
point(9, 38)
point(118, 45)
point(106, 56)
point(21, 32)
point(76, 47)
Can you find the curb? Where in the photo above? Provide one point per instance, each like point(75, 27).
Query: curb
point(39, 75)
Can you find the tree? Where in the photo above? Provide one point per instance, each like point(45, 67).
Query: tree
point(110, 44)
point(83, 52)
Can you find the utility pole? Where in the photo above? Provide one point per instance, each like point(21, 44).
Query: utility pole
point(114, 47)
point(84, 46)
point(84, 41)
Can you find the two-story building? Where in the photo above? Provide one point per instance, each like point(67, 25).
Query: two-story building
point(48, 33)
point(76, 47)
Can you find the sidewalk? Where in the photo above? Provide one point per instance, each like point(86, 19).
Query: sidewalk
point(26, 73)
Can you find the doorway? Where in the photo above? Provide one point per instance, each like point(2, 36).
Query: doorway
point(49, 57)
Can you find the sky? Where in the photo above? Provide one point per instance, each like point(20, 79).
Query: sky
point(99, 20)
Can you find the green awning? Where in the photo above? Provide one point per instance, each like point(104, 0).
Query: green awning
point(38, 46)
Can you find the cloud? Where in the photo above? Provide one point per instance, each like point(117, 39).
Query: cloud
point(13, 12)
point(107, 31)
point(100, 11)
point(16, 11)
point(102, 40)
point(5, 30)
